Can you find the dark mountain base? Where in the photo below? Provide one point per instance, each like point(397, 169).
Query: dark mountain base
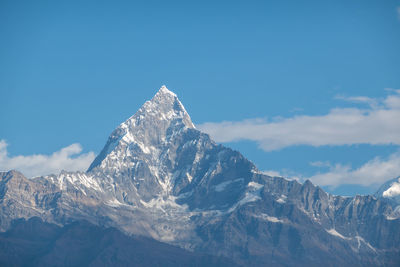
point(36, 243)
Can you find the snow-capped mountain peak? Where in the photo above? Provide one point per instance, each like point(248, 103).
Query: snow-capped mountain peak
point(148, 129)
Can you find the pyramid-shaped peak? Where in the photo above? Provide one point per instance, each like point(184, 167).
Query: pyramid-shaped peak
point(150, 126)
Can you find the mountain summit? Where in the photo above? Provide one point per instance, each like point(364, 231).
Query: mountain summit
point(148, 128)
point(160, 177)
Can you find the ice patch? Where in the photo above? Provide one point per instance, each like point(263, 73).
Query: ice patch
point(144, 148)
point(114, 203)
point(189, 177)
point(282, 199)
point(252, 195)
point(222, 186)
point(336, 233)
point(255, 185)
point(266, 217)
point(161, 204)
point(249, 197)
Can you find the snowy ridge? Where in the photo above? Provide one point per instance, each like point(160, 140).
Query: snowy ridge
point(76, 179)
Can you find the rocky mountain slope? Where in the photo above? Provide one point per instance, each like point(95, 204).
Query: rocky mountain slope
point(158, 176)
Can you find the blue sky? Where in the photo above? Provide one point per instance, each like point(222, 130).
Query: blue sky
point(71, 72)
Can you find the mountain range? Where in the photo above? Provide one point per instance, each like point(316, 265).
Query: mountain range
point(161, 179)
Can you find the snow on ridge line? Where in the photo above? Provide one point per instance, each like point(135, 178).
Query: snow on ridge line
point(255, 185)
point(76, 179)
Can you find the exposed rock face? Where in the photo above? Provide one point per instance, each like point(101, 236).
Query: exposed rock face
point(159, 177)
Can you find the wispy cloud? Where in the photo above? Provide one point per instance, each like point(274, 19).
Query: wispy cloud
point(377, 124)
point(287, 174)
point(320, 164)
point(68, 158)
point(372, 102)
point(273, 173)
point(375, 171)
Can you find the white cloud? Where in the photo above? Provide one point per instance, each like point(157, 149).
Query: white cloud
point(378, 124)
point(68, 158)
point(375, 171)
point(393, 190)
